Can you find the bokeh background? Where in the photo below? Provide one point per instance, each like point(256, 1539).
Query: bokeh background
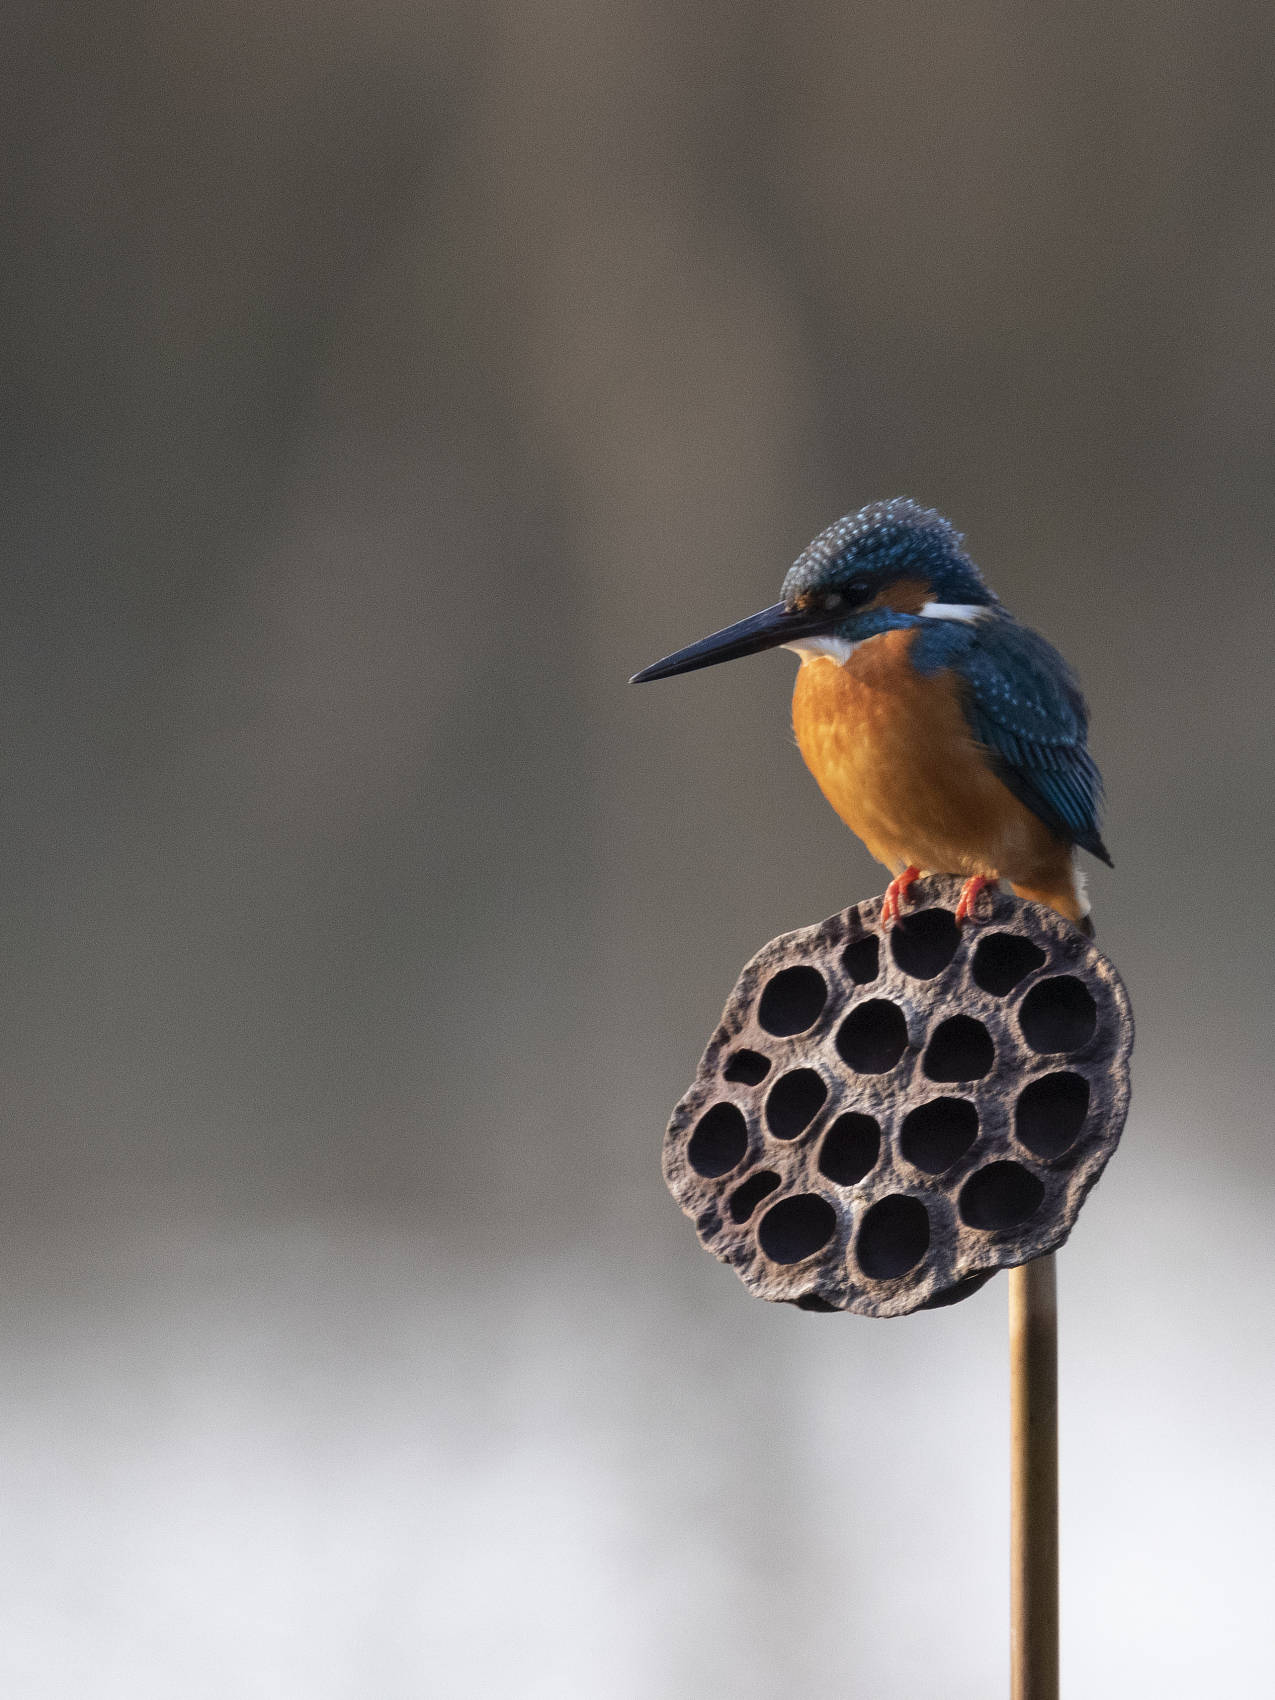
point(384, 384)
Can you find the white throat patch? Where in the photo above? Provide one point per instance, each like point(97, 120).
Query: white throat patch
point(811, 648)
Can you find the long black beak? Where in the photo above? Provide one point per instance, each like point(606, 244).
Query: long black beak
point(767, 630)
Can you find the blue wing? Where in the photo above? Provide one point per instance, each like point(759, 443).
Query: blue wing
point(1025, 706)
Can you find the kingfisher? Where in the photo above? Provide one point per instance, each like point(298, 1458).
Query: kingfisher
point(950, 738)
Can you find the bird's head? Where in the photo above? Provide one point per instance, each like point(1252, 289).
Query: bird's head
point(891, 564)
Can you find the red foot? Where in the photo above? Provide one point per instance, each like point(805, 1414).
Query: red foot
point(895, 892)
point(969, 897)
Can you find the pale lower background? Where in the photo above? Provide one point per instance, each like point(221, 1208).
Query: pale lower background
point(384, 385)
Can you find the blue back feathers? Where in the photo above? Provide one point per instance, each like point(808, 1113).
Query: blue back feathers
point(1024, 705)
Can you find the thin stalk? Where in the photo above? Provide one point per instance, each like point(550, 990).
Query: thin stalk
point(1033, 1377)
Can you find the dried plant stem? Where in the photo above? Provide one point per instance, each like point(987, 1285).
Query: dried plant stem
point(1033, 1371)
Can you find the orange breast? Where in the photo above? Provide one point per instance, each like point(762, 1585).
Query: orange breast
point(893, 753)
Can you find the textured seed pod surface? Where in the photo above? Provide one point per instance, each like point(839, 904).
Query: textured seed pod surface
point(887, 1116)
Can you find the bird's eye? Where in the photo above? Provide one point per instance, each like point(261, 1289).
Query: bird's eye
point(857, 590)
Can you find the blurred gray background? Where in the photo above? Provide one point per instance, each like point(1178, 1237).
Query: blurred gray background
point(384, 385)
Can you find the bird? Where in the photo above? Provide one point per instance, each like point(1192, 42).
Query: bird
point(949, 737)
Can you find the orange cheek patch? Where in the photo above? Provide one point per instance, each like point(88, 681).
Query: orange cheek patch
point(905, 596)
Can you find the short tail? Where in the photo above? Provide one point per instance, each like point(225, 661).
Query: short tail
point(1069, 896)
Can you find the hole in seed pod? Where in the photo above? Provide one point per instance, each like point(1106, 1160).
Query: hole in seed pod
point(749, 1068)
point(719, 1142)
point(794, 1102)
point(934, 1135)
point(792, 1001)
point(895, 1236)
point(1051, 1112)
point(960, 1049)
point(745, 1199)
point(925, 941)
point(863, 959)
point(873, 1037)
point(1000, 1196)
point(796, 1228)
point(1058, 1014)
point(812, 1301)
point(850, 1149)
point(1002, 960)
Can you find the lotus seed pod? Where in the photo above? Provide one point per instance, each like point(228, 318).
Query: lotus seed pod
point(886, 1116)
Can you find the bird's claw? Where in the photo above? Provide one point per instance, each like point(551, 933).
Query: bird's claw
point(969, 897)
point(895, 892)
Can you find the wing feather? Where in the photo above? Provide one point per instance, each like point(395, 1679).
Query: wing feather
point(1024, 705)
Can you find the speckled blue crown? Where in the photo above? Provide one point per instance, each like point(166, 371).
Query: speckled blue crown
point(892, 539)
